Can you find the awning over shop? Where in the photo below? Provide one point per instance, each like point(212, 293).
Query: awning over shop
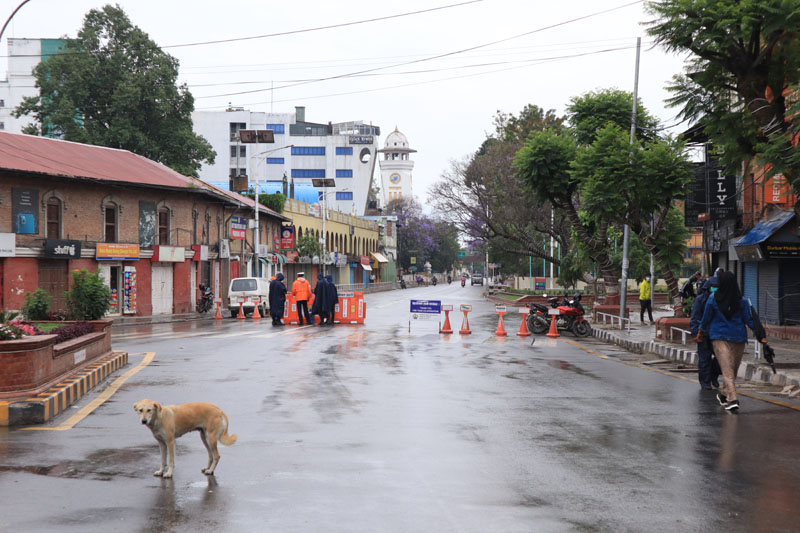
point(379, 257)
point(765, 229)
point(366, 267)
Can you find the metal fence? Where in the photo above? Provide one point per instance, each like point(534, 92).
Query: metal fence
point(612, 318)
point(372, 287)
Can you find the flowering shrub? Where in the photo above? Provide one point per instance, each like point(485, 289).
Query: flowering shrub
point(12, 327)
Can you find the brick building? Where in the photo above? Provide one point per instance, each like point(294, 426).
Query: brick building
point(153, 233)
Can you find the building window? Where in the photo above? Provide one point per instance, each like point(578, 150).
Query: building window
point(344, 195)
point(308, 150)
point(53, 218)
point(277, 129)
point(2, 103)
point(344, 173)
point(238, 172)
point(110, 234)
point(308, 173)
point(274, 160)
point(236, 127)
point(344, 150)
point(163, 226)
point(242, 151)
point(2, 125)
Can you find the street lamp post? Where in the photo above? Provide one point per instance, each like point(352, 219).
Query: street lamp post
point(323, 183)
point(256, 179)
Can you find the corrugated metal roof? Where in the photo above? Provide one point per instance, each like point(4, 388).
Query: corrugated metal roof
point(53, 157)
point(765, 229)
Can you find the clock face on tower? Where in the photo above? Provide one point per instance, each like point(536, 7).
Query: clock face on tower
point(394, 178)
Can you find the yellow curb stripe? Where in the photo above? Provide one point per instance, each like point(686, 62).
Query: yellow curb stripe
point(678, 376)
point(97, 402)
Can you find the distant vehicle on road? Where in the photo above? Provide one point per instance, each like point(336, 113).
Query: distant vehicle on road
point(248, 288)
point(477, 279)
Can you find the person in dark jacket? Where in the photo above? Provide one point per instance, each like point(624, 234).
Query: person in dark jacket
point(277, 299)
point(725, 320)
point(708, 370)
point(331, 298)
point(320, 306)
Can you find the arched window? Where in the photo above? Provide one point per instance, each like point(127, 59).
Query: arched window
point(54, 218)
point(110, 222)
point(299, 233)
point(163, 226)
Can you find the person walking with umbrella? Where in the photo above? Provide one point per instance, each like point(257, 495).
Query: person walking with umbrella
point(277, 299)
point(725, 320)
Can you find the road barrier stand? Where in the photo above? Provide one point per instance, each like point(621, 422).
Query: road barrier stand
point(241, 316)
point(446, 328)
point(500, 331)
point(466, 308)
point(553, 327)
point(256, 300)
point(218, 316)
point(523, 328)
point(352, 309)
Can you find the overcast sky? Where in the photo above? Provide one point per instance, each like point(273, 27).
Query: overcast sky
point(445, 106)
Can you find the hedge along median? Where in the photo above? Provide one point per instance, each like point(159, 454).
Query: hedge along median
point(31, 366)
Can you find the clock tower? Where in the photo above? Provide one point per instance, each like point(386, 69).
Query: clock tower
point(396, 167)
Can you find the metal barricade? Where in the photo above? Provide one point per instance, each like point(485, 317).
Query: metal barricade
point(622, 320)
point(684, 333)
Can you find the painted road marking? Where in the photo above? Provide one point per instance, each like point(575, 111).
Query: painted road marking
point(678, 376)
point(97, 402)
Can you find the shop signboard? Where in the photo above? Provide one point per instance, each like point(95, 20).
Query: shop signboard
point(61, 249)
point(24, 212)
point(786, 250)
point(238, 227)
point(113, 251)
point(540, 284)
point(200, 252)
point(8, 245)
point(168, 254)
point(287, 237)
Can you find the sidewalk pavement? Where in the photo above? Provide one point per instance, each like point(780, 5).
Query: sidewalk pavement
point(641, 339)
point(163, 319)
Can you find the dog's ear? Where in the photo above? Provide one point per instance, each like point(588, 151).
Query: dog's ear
point(135, 406)
point(157, 406)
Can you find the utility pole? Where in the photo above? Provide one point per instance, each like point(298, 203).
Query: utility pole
point(626, 234)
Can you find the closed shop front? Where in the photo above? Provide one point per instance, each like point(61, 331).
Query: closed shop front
point(790, 292)
point(162, 288)
point(54, 279)
point(769, 303)
point(751, 283)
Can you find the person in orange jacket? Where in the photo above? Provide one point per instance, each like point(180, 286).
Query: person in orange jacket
point(301, 291)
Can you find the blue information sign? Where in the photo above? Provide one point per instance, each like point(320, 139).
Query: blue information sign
point(426, 307)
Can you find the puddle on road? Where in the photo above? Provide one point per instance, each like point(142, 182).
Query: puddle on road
point(97, 466)
point(563, 365)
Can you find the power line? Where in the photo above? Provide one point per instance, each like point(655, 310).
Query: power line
point(431, 58)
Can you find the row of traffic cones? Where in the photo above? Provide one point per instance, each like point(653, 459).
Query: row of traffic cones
point(240, 316)
point(501, 330)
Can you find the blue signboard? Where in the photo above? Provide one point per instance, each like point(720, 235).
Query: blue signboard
point(426, 307)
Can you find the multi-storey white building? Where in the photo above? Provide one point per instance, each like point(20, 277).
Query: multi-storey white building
point(302, 151)
point(23, 56)
point(396, 167)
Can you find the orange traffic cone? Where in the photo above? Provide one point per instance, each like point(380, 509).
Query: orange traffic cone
point(240, 316)
point(553, 328)
point(446, 328)
point(256, 314)
point(465, 325)
point(218, 316)
point(501, 331)
point(523, 329)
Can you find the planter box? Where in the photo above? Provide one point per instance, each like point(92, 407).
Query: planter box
point(30, 365)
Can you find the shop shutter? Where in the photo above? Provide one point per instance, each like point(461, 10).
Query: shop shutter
point(769, 303)
point(751, 283)
point(790, 292)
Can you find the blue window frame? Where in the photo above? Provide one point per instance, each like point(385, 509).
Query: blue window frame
point(277, 129)
point(344, 150)
point(308, 172)
point(344, 173)
point(344, 196)
point(274, 160)
point(308, 150)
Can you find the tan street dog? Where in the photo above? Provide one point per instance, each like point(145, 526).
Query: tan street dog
point(168, 422)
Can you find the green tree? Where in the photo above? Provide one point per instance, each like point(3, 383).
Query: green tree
point(308, 246)
point(275, 201)
point(89, 298)
point(741, 80)
point(113, 86)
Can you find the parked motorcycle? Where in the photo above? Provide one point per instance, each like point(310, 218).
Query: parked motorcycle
point(449, 280)
point(206, 301)
point(434, 281)
point(570, 317)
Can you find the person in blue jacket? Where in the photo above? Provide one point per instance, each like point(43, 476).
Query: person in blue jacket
point(724, 319)
point(708, 370)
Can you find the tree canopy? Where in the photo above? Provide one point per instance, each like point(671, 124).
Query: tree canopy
point(741, 80)
point(113, 86)
point(422, 237)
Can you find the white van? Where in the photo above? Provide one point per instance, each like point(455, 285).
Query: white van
point(248, 288)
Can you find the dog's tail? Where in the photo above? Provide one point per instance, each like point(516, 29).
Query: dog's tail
point(227, 440)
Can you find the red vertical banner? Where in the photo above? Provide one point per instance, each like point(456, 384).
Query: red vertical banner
point(287, 237)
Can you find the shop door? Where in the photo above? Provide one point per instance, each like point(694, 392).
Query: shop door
point(162, 289)
point(54, 278)
point(790, 292)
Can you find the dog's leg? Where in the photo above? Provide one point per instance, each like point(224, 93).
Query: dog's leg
point(207, 469)
point(213, 453)
point(162, 447)
point(171, 450)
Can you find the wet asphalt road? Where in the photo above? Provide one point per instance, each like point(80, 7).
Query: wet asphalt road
point(373, 428)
